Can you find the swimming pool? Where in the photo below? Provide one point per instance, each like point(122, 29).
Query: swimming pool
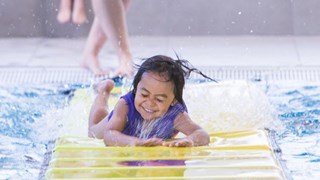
point(22, 107)
point(30, 117)
point(298, 107)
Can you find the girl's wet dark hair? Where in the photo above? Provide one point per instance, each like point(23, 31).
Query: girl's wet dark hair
point(175, 71)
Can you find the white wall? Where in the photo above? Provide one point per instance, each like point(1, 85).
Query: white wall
point(33, 18)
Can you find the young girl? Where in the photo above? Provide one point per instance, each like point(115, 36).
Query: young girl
point(152, 112)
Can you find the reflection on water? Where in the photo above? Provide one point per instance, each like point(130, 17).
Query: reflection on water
point(32, 115)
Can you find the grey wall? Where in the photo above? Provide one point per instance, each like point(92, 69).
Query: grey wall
point(36, 18)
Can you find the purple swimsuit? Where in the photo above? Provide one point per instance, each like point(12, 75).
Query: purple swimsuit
point(162, 127)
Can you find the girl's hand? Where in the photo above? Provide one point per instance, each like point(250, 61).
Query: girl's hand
point(150, 142)
point(185, 142)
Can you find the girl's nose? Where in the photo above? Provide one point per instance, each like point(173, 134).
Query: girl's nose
point(151, 102)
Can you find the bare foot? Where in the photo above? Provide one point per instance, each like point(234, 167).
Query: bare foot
point(104, 87)
point(92, 63)
point(79, 17)
point(124, 70)
point(64, 16)
point(126, 66)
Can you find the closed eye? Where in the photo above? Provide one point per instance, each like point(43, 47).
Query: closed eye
point(160, 100)
point(144, 95)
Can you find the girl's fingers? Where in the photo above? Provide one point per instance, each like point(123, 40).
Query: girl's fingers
point(153, 142)
point(179, 143)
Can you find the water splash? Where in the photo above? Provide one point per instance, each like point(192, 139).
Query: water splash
point(21, 108)
point(146, 127)
point(230, 106)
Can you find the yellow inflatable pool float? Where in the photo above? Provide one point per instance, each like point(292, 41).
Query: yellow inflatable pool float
point(245, 154)
point(230, 155)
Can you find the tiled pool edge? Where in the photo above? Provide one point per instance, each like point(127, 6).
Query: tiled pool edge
point(14, 75)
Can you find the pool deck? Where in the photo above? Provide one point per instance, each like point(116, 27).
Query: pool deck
point(292, 51)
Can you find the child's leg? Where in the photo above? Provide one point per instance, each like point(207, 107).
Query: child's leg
point(95, 41)
point(111, 16)
point(99, 110)
point(126, 4)
point(79, 12)
point(64, 11)
point(125, 58)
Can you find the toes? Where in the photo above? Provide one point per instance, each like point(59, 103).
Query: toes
point(103, 86)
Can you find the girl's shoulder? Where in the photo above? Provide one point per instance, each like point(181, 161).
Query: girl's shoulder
point(180, 107)
point(129, 97)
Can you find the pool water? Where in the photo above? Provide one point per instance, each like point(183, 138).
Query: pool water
point(298, 108)
point(25, 135)
point(21, 109)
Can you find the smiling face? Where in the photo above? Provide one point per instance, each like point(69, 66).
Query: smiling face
point(154, 96)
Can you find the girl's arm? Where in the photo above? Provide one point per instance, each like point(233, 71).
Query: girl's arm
point(195, 135)
point(113, 135)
